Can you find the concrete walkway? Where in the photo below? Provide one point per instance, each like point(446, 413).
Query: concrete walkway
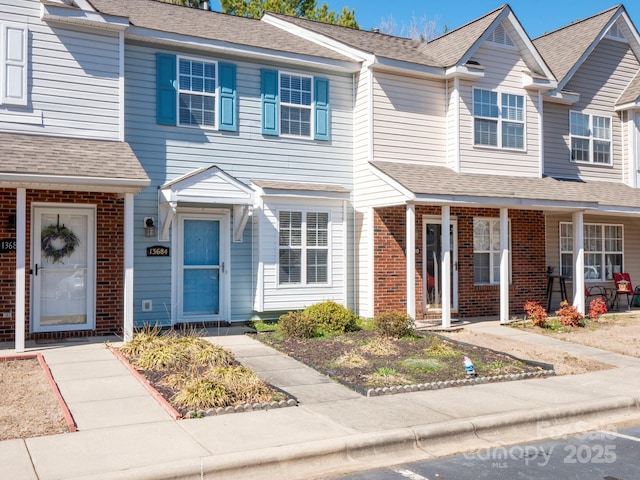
point(123, 433)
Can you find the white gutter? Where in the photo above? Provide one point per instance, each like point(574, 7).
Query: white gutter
point(100, 184)
point(75, 16)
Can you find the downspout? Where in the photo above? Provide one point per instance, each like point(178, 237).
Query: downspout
point(121, 86)
point(456, 88)
point(356, 296)
point(21, 267)
point(371, 293)
point(540, 134)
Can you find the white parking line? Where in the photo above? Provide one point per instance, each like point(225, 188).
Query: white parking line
point(410, 475)
point(621, 435)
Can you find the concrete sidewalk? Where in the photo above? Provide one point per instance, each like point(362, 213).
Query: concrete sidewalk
point(123, 433)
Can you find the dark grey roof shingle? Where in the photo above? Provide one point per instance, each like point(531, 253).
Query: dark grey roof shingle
point(441, 181)
point(69, 157)
point(165, 17)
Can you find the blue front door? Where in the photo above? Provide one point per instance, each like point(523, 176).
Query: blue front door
point(202, 269)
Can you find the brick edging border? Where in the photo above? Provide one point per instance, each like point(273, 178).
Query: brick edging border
point(145, 383)
point(68, 418)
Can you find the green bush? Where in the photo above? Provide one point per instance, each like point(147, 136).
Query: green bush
point(394, 323)
point(331, 318)
point(297, 324)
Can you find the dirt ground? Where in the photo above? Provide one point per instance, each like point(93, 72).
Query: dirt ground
point(28, 407)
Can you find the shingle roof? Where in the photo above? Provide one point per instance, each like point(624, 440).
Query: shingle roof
point(441, 181)
point(631, 93)
point(562, 48)
point(312, 187)
point(444, 51)
point(69, 157)
point(165, 17)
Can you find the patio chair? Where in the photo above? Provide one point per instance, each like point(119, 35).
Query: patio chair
point(607, 294)
point(624, 287)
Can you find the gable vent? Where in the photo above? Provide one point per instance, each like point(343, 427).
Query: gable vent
point(615, 33)
point(501, 37)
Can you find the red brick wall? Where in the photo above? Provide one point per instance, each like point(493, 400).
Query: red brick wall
point(109, 265)
point(527, 257)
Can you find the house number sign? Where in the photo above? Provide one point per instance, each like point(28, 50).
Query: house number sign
point(157, 251)
point(7, 245)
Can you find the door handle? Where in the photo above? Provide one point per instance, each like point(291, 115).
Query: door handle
point(36, 270)
point(222, 267)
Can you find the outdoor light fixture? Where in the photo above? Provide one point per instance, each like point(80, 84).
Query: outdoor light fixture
point(11, 221)
point(149, 227)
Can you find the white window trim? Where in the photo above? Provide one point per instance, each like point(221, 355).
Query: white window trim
point(492, 281)
point(603, 252)
point(500, 120)
point(303, 247)
point(216, 95)
point(293, 105)
point(5, 62)
point(591, 139)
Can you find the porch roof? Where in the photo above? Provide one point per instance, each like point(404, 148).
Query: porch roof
point(427, 183)
point(39, 161)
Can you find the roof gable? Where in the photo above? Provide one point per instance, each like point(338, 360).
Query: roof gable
point(566, 49)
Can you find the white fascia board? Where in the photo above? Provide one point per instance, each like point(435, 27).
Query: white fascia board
point(530, 81)
point(408, 194)
point(481, 39)
point(502, 202)
point(565, 98)
point(327, 42)
point(89, 18)
point(177, 41)
point(587, 52)
point(635, 44)
point(89, 184)
point(627, 106)
point(399, 66)
point(464, 72)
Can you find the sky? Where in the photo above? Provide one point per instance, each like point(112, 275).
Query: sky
point(536, 16)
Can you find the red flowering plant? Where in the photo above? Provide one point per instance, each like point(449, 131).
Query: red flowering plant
point(536, 312)
point(597, 307)
point(569, 316)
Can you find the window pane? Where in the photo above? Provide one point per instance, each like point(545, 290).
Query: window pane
point(512, 107)
point(613, 238)
point(512, 135)
point(601, 151)
point(317, 266)
point(566, 264)
point(290, 228)
point(579, 124)
point(485, 103)
point(481, 235)
point(613, 264)
point(290, 266)
point(481, 272)
point(317, 229)
point(486, 132)
point(580, 149)
point(592, 238)
point(601, 128)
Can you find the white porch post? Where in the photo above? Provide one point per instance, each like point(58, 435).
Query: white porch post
point(411, 260)
point(128, 267)
point(446, 266)
point(21, 268)
point(504, 266)
point(578, 262)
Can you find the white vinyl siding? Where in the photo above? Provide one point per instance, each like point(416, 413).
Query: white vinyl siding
point(603, 250)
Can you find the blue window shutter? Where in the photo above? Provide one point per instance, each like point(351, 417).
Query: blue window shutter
point(227, 113)
point(269, 96)
point(321, 109)
point(166, 88)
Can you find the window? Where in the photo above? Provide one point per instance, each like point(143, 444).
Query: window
point(498, 119)
point(196, 93)
point(486, 251)
point(500, 36)
point(13, 61)
point(303, 252)
point(295, 105)
point(590, 138)
point(603, 251)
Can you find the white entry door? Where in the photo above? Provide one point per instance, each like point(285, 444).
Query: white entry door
point(63, 269)
point(202, 280)
point(432, 263)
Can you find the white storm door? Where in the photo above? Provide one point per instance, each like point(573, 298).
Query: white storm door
point(63, 269)
point(202, 267)
point(432, 263)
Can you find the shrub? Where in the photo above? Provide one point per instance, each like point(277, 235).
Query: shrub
point(537, 313)
point(394, 323)
point(568, 314)
point(597, 307)
point(297, 324)
point(331, 318)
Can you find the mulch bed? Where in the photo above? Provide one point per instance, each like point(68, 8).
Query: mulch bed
point(353, 360)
